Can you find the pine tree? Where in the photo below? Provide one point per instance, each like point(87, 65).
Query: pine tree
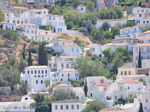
point(30, 58)
point(23, 53)
point(141, 108)
point(139, 60)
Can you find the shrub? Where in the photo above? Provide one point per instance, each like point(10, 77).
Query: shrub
point(10, 35)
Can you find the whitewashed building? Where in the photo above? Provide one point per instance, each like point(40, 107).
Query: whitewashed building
point(62, 62)
point(66, 75)
point(95, 49)
point(133, 32)
point(19, 106)
point(67, 106)
point(145, 54)
point(35, 77)
point(79, 92)
point(66, 48)
point(91, 81)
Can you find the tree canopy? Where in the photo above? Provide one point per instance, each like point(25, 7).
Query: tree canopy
point(94, 106)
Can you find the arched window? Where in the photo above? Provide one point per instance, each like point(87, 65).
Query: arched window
point(121, 72)
point(129, 72)
point(125, 72)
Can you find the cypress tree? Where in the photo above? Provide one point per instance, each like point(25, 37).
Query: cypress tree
point(85, 88)
point(139, 60)
point(23, 53)
point(30, 58)
point(141, 108)
point(42, 55)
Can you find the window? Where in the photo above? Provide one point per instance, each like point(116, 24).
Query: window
point(28, 71)
point(62, 75)
point(35, 71)
point(36, 81)
point(125, 72)
point(31, 72)
point(77, 106)
point(68, 75)
point(45, 71)
point(72, 106)
point(129, 72)
point(42, 72)
point(121, 73)
point(61, 107)
point(67, 107)
point(56, 107)
point(128, 88)
point(41, 81)
point(38, 71)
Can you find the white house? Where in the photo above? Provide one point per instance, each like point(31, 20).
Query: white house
point(125, 42)
point(143, 39)
point(63, 86)
point(57, 22)
point(145, 100)
point(8, 26)
point(127, 70)
point(79, 92)
point(66, 47)
point(46, 37)
point(35, 77)
point(91, 81)
point(137, 10)
point(58, 43)
point(62, 62)
point(94, 49)
point(134, 31)
point(66, 75)
point(29, 30)
point(130, 88)
point(71, 50)
point(67, 106)
point(130, 107)
point(145, 54)
point(19, 106)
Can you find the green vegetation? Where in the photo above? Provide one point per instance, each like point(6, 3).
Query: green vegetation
point(42, 103)
point(9, 75)
point(1, 16)
point(22, 64)
point(23, 88)
point(62, 37)
point(63, 95)
point(94, 106)
point(141, 80)
point(146, 28)
point(30, 58)
point(42, 55)
point(141, 108)
point(78, 83)
point(85, 88)
point(129, 24)
point(139, 60)
point(114, 13)
point(19, 5)
point(10, 35)
point(88, 67)
point(45, 27)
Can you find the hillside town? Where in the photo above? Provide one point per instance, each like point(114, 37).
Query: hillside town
point(74, 55)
